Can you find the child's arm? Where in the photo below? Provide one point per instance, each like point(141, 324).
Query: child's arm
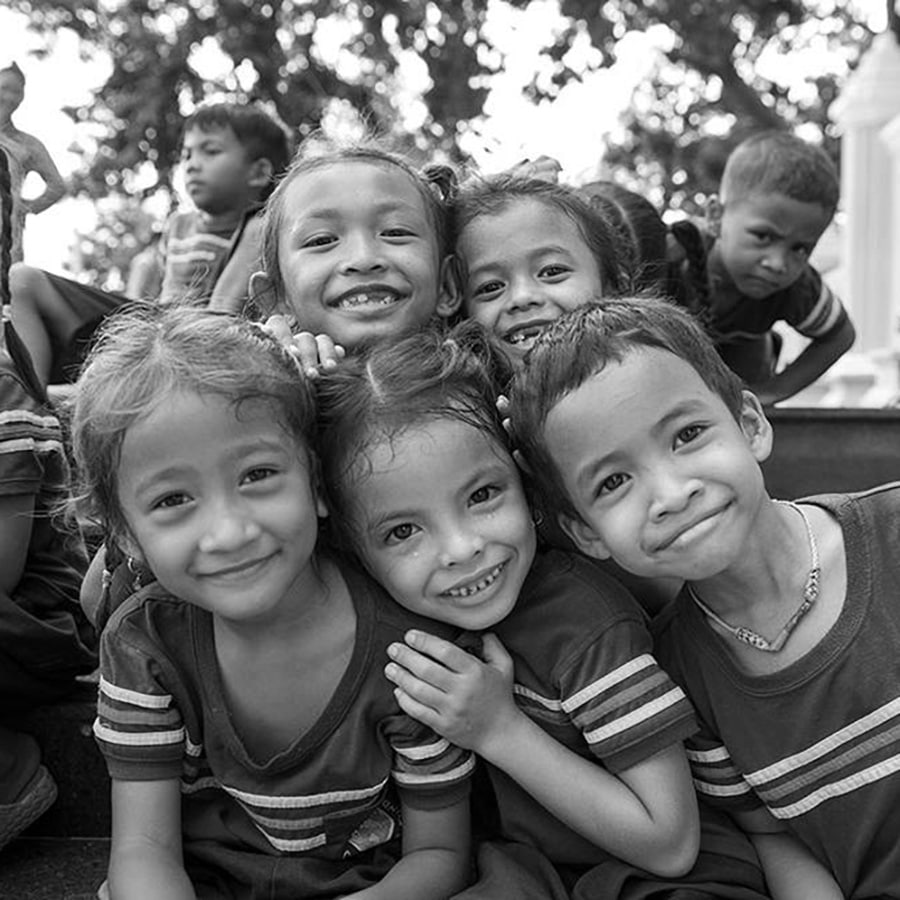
point(435, 861)
point(815, 359)
point(232, 287)
point(41, 162)
point(16, 513)
point(145, 858)
point(791, 871)
point(646, 814)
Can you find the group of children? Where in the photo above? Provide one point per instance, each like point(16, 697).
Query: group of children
point(351, 648)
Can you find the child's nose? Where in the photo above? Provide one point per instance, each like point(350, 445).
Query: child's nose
point(672, 493)
point(460, 546)
point(776, 259)
point(227, 529)
point(524, 294)
point(363, 254)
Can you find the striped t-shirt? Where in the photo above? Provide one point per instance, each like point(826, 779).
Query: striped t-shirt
point(163, 713)
point(584, 671)
point(817, 743)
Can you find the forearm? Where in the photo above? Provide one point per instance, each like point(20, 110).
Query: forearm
point(598, 805)
point(140, 872)
point(816, 359)
point(792, 872)
point(431, 874)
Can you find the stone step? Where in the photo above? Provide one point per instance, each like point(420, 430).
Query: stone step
point(44, 868)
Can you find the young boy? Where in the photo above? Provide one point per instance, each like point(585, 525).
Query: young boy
point(642, 444)
point(751, 269)
point(231, 154)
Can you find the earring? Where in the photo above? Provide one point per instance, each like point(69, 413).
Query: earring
point(135, 572)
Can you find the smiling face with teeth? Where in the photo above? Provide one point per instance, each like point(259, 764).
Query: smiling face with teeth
point(443, 523)
point(358, 253)
point(524, 267)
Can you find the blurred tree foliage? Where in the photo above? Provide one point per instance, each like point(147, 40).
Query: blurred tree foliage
point(306, 58)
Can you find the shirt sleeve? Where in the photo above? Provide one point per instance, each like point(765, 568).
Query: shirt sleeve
point(812, 308)
point(716, 777)
point(429, 771)
point(626, 707)
point(139, 728)
point(29, 435)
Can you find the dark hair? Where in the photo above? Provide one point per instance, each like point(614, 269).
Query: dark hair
point(491, 195)
point(144, 353)
point(388, 388)
point(261, 134)
point(581, 343)
point(435, 184)
point(778, 162)
point(641, 227)
point(14, 69)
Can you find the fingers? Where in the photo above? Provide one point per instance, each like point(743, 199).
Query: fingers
point(279, 327)
point(445, 652)
point(315, 352)
point(495, 655)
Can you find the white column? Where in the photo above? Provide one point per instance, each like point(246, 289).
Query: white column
point(869, 101)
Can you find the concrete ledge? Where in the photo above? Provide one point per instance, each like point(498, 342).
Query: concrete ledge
point(825, 450)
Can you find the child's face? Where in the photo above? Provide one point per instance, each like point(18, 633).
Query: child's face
point(218, 175)
point(525, 267)
point(666, 481)
point(358, 253)
point(12, 92)
point(765, 241)
point(444, 523)
point(221, 506)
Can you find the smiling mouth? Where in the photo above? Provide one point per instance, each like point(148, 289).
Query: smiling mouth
point(476, 587)
point(524, 338)
point(373, 298)
point(240, 570)
point(695, 529)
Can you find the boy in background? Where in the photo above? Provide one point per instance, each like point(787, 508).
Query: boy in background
point(231, 154)
point(644, 447)
point(750, 267)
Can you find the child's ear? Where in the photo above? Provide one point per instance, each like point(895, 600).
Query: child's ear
point(714, 210)
point(756, 427)
point(261, 173)
point(584, 537)
point(262, 287)
point(449, 292)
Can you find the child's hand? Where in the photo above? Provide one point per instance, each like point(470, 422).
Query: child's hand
point(461, 698)
point(313, 352)
point(503, 408)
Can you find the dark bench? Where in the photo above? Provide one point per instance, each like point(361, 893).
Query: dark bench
point(823, 450)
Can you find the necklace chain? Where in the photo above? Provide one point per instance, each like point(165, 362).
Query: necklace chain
point(810, 595)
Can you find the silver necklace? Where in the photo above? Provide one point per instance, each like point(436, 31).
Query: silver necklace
point(810, 595)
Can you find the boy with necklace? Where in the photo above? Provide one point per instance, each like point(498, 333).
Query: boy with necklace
point(643, 446)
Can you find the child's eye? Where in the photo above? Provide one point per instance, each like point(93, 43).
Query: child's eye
point(260, 473)
point(483, 494)
point(803, 250)
point(763, 238)
point(611, 483)
point(691, 433)
point(319, 240)
point(171, 501)
point(399, 533)
point(488, 290)
point(553, 270)
point(398, 231)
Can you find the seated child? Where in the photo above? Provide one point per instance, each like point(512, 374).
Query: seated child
point(641, 441)
point(45, 639)
point(231, 154)
point(750, 268)
point(254, 746)
point(585, 750)
point(26, 154)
